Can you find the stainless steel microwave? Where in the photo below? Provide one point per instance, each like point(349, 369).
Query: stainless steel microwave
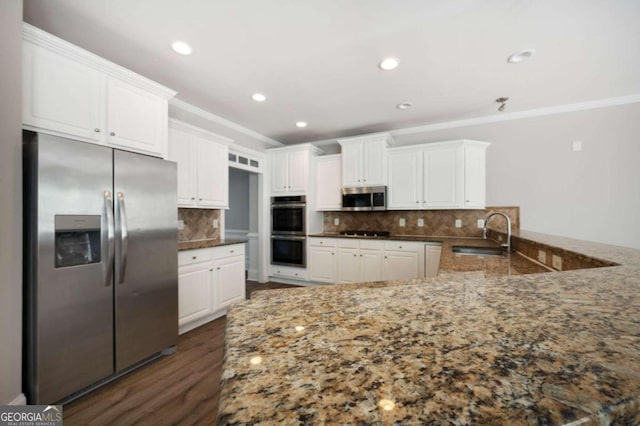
point(366, 198)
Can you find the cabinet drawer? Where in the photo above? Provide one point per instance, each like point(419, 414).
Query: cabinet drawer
point(289, 272)
point(322, 242)
point(189, 257)
point(227, 251)
point(403, 246)
point(349, 243)
point(371, 244)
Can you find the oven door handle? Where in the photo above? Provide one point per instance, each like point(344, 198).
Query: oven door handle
point(287, 237)
point(287, 206)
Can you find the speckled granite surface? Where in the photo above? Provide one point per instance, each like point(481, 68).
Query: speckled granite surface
point(461, 348)
point(206, 243)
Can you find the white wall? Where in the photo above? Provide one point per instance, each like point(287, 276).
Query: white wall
point(237, 217)
point(11, 205)
point(591, 195)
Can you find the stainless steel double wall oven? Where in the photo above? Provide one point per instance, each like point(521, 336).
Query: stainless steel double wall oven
point(288, 230)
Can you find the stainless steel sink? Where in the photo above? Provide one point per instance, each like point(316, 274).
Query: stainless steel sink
point(479, 251)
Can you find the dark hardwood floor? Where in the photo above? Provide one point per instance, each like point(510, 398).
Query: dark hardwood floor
point(179, 389)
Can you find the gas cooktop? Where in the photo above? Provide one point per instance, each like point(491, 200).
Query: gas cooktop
point(370, 234)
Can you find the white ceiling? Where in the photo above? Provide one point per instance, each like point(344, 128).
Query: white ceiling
point(316, 60)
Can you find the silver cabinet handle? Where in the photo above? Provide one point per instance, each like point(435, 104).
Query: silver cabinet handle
point(200, 199)
point(231, 251)
point(399, 246)
point(333, 254)
point(96, 130)
point(193, 198)
point(108, 265)
point(194, 257)
point(218, 268)
point(124, 237)
point(385, 257)
point(112, 133)
point(211, 270)
point(355, 255)
point(360, 255)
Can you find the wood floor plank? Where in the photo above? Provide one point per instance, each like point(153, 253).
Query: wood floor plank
point(180, 389)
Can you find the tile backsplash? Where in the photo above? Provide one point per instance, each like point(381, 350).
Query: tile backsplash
point(198, 224)
point(436, 222)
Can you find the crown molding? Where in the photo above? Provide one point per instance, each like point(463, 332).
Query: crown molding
point(38, 37)
point(205, 134)
point(538, 112)
point(185, 106)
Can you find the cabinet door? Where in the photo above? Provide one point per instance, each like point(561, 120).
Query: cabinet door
point(279, 173)
point(405, 179)
point(298, 171)
point(137, 120)
point(401, 265)
point(62, 95)
point(352, 165)
point(441, 183)
point(474, 177)
point(182, 151)
point(374, 165)
point(195, 295)
point(432, 260)
point(370, 265)
point(229, 281)
point(323, 264)
point(348, 266)
point(328, 183)
point(212, 179)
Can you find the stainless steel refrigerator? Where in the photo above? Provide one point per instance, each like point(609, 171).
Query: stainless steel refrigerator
point(101, 280)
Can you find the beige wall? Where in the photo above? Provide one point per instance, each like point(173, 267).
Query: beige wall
point(11, 201)
point(590, 195)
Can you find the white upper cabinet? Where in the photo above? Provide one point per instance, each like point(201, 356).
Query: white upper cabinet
point(442, 178)
point(364, 160)
point(203, 166)
point(328, 182)
point(61, 94)
point(70, 92)
point(475, 176)
point(443, 175)
point(290, 169)
point(405, 175)
point(136, 119)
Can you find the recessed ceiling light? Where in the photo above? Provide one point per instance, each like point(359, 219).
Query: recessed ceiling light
point(388, 64)
point(181, 47)
point(523, 55)
point(258, 97)
point(404, 105)
point(301, 124)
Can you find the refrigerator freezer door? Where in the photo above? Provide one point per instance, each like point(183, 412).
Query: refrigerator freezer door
point(69, 327)
point(146, 272)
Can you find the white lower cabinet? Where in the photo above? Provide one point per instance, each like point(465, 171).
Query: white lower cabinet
point(323, 265)
point(353, 260)
point(403, 260)
point(359, 260)
point(209, 280)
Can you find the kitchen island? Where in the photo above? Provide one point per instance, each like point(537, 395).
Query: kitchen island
point(460, 348)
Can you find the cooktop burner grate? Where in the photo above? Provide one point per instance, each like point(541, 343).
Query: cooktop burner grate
point(365, 233)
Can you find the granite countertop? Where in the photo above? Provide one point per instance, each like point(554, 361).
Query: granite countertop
point(460, 348)
point(206, 243)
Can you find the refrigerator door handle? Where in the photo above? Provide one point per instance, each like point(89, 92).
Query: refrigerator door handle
point(108, 265)
point(124, 237)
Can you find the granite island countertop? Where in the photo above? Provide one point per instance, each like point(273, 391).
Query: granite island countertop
point(460, 348)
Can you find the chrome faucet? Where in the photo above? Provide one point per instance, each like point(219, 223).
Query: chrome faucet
point(484, 230)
